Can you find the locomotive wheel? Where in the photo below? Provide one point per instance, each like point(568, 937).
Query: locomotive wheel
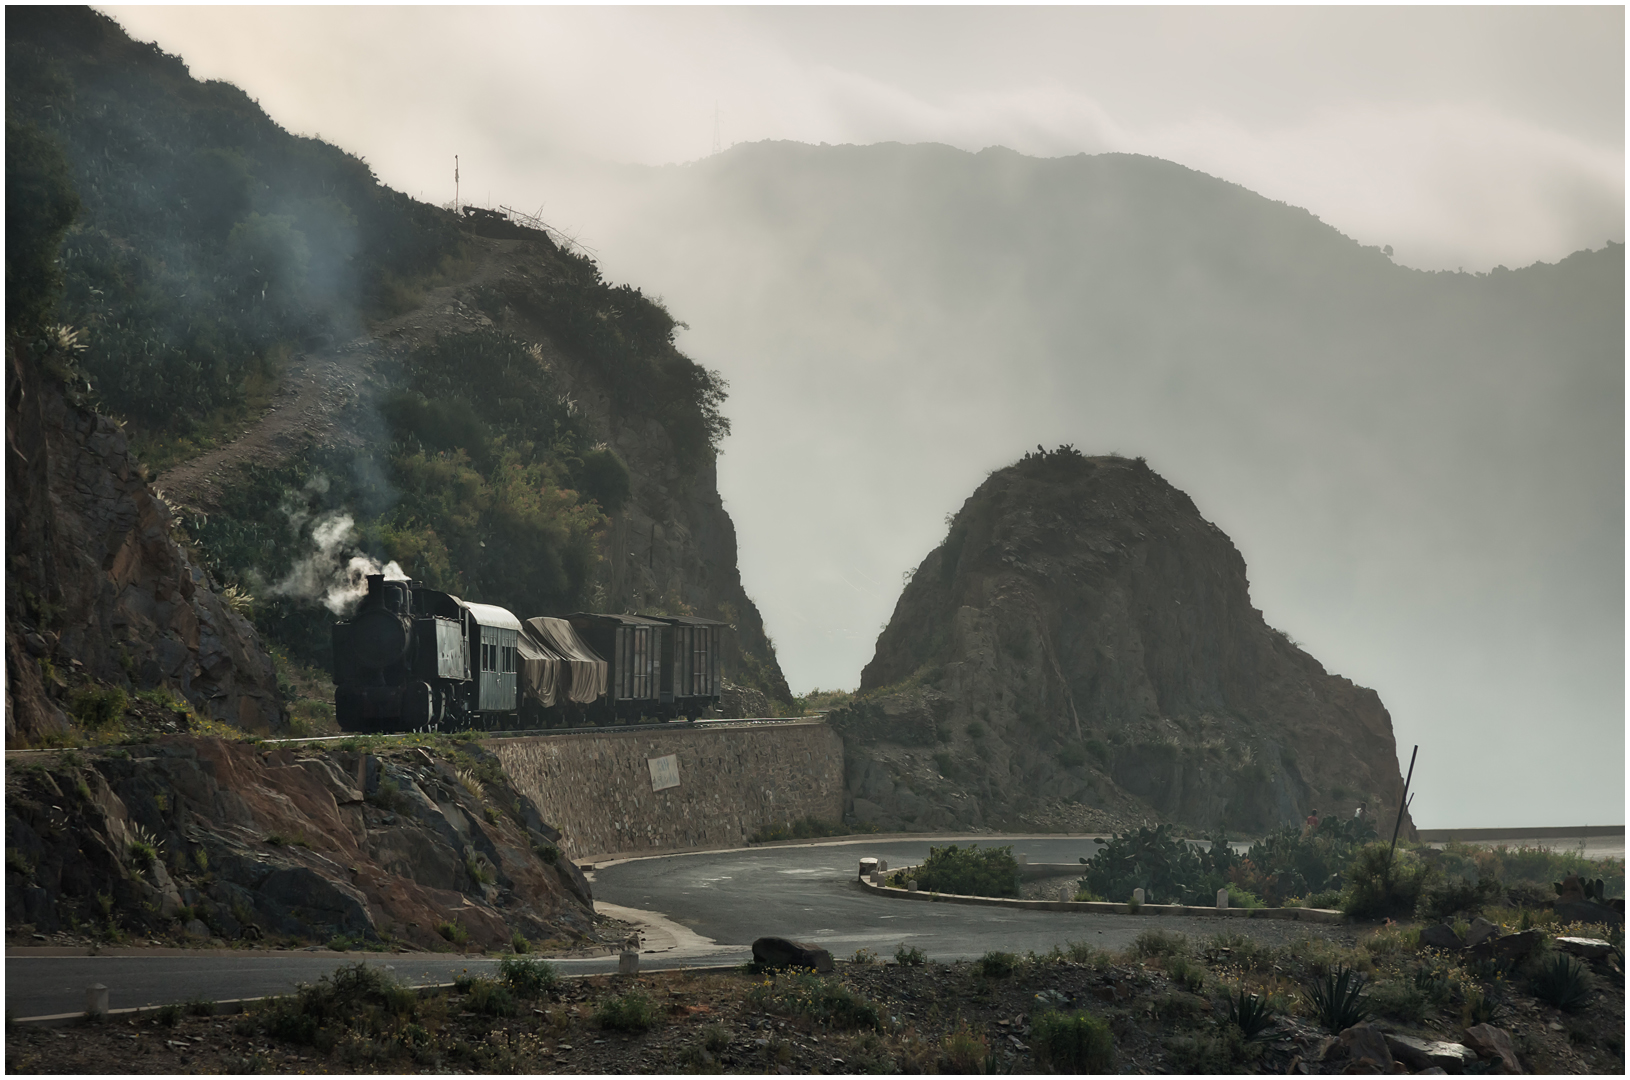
point(418, 706)
point(348, 711)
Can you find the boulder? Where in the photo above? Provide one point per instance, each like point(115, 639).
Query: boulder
point(1493, 1045)
point(779, 952)
point(1586, 911)
point(1585, 948)
point(1509, 947)
point(1441, 936)
point(1481, 930)
point(1359, 1044)
point(1425, 1054)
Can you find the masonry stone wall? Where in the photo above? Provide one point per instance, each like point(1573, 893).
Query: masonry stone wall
point(598, 789)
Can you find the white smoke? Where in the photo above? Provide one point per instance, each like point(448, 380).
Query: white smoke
point(347, 592)
point(333, 572)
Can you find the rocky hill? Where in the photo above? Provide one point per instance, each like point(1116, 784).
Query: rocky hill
point(419, 847)
point(1081, 652)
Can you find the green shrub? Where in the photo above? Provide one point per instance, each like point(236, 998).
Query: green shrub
point(1562, 981)
point(632, 1011)
point(1072, 1043)
point(1160, 943)
point(1445, 897)
point(489, 998)
point(319, 1013)
point(98, 708)
point(823, 1000)
point(169, 1014)
point(1155, 860)
point(1082, 952)
point(1399, 1000)
point(529, 978)
point(454, 932)
point(1374, 890)
point(603, 477)
point(1217, 1051)
point(970, 871)
point(518, 943)
point(963, 1050)
point(910, 956)
point(1189, 974)
point(997, 965)
point(715, 1038)
point(1072, 756)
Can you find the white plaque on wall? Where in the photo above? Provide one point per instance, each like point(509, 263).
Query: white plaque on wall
point(664, 771)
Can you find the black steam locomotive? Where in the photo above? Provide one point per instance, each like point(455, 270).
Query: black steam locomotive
point(417, 659)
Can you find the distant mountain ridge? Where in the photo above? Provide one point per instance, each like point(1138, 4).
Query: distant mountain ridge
point(1424, 469)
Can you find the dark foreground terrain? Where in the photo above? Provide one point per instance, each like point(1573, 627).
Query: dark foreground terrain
point(1161, 1006)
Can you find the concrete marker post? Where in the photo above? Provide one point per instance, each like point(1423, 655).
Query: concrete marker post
point(1222, 899)
point(628, 963)
point(96, 1000)
point(1137, 896)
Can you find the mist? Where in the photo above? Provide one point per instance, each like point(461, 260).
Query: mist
point(1426, 483)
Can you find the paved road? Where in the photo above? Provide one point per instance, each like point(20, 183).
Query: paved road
point(809, 894)
point(699, 909)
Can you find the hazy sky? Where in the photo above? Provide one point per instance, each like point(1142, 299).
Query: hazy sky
point(1462, 137)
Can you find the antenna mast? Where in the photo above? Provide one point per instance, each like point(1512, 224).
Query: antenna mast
point(455, 183)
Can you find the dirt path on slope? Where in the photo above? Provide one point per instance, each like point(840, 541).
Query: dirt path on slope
point(327, 398)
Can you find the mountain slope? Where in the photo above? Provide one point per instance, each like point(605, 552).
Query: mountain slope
point(330, 375)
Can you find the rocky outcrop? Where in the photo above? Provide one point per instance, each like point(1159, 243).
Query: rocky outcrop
point(283, 844)
point(672, 549)
point(94, 579)
point(1081, 652)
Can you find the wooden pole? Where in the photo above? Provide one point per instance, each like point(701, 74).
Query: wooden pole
point(1403, 804)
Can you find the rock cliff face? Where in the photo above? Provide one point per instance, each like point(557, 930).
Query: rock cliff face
point(672, 548)
point(1081, 652)
point(94, 580)
point(219, 839)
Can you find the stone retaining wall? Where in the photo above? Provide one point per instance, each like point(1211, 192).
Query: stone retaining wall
point(599, 789)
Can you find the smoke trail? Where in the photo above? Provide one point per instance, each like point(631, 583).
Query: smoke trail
point(333, 572)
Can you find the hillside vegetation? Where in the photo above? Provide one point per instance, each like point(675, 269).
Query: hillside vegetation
point(209, 257)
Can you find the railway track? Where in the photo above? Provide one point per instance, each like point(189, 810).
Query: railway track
point(667, 725)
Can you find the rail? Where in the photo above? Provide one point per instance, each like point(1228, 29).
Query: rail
point(518, 733)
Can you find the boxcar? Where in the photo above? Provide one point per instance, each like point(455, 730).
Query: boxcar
point(689, 662)
point(632, 647)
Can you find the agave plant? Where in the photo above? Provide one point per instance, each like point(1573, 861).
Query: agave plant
point(1251, 1013)
point(1563, 981)
point(1337, 998)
